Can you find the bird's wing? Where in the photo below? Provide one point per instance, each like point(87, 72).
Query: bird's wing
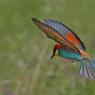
point(66, 33)
point(54, 34)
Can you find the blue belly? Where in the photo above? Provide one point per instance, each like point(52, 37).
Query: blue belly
point(69, 55)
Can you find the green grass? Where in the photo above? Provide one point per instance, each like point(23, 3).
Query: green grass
point(25, 65)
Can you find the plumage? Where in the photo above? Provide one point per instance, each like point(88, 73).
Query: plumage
point(69, 54)
point(87, 67)
point(87, 70)
point(69, 45)
point(53, 34)
point(66, 32)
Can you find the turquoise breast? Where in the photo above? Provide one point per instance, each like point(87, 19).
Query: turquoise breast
point(69, 55)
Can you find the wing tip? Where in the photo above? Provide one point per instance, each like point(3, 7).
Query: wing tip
point(34, 19)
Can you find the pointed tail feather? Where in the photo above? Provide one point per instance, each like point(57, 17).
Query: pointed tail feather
point(87, 69)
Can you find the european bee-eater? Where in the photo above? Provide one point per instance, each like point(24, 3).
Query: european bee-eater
point(69, 45)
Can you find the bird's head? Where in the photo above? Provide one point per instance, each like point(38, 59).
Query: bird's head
point(55, 48)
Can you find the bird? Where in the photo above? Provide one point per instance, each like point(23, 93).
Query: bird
point(68, 45)
point(87, 67)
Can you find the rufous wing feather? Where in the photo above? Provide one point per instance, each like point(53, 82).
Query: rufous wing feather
point(53, 34)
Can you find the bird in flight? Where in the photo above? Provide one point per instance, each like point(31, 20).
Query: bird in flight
point(68, 45)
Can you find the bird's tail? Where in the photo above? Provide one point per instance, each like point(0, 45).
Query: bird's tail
point(87, 69)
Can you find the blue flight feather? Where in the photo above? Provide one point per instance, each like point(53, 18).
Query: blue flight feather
point(62, 29)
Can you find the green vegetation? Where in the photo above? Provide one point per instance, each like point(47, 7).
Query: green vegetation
point(25, 65)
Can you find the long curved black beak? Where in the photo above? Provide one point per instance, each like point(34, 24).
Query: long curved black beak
point(54, 51)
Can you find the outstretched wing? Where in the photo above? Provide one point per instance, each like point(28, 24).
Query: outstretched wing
point(66, 33)
point(53, 34)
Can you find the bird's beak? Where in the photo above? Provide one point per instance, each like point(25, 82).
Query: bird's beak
point(52, 56)
point(54, 51)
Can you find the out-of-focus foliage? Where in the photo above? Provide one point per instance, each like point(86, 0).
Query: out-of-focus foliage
point(25, 65)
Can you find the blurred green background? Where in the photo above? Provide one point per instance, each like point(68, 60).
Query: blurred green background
point(25, 65)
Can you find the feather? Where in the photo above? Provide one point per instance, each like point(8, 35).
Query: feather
point(87, 70)
point(66, 32)
point(69, 54)
point(53, 34)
